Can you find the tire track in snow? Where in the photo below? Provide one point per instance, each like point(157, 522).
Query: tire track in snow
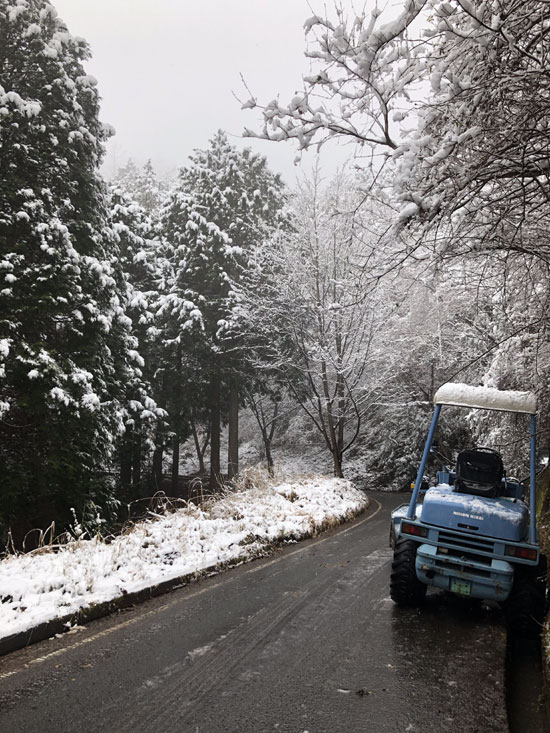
point(171, 694)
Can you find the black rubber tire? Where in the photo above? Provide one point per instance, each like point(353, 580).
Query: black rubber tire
point(526, 605)
point(405, 588)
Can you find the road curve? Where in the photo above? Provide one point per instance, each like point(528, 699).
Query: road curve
point(307, 640)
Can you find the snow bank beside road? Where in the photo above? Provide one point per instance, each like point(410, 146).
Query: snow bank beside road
point(39, 587)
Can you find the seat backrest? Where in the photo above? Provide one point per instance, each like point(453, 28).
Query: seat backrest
point(479, 471)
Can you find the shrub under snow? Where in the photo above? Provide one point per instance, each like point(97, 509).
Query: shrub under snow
point(44, 585)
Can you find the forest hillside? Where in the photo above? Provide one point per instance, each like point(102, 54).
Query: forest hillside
point(158, 335)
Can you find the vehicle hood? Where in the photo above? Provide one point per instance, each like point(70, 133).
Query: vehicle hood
point(500, 518)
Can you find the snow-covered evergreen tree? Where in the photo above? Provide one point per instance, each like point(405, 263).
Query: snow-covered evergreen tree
point(225, 203)
point(67, 352)
point(143, 186)
point(141, 260)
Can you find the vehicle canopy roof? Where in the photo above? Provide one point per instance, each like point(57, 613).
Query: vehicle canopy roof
point(486, 398)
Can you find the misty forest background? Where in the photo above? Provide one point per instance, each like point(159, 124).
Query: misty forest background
point(157, 329)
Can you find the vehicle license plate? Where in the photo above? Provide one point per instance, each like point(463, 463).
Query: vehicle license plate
point(463, 587)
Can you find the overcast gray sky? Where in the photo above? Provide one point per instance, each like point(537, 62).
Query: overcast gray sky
point(167, 71)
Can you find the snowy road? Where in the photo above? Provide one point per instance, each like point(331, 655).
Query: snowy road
point(307, 640)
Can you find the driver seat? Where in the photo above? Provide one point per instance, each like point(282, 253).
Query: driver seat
point(479, 471)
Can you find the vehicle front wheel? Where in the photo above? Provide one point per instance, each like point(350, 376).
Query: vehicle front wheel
point(526, 605)
point(405, 588)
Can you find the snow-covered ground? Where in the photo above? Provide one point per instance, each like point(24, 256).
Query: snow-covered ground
point(289, 462)
point(53, 582)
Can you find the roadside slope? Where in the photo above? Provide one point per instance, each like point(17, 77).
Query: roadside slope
point(48, 591)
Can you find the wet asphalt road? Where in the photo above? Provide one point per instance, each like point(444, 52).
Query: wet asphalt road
point(307, 640)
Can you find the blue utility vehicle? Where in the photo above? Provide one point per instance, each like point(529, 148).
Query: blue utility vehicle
point(473, 534)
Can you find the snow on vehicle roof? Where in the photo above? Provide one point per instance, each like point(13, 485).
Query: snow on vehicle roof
point(487, 398)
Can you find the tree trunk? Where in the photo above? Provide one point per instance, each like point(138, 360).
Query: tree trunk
point(337, 463)
point(268, 456)
point(126, 463)
point(264, 424)
point(175, 464)
point(204, 446)
point(233, 447)
point(215, 425)
point(157, 466)
point(199, 450)
point(136, 460)
point(176, 422)
point(339, 447)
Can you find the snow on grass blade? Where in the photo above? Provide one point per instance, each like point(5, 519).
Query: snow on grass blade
point(36, 588)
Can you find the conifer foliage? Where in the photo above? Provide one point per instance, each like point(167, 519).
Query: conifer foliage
point(141, 263)
point(143, 186)
point(66, 348)
point(226, 203)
